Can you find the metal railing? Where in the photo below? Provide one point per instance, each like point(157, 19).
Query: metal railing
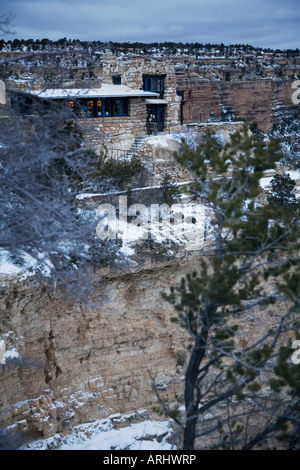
point(154, 127)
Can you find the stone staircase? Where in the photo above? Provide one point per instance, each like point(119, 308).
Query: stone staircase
point(159, 162)
point(135, 147)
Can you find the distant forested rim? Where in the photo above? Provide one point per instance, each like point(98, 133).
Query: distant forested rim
point(139, 47)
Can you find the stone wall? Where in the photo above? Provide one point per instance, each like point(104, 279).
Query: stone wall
point(201, 99)
point(251, 100)
point(102, 130)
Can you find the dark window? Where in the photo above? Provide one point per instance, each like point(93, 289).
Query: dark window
point(156, 113)
point(120, 107)
point(22, 104)
point(155, 84)
point(180, 93)
point(81, 108)
point(117, 80)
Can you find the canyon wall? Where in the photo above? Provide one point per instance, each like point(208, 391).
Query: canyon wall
point(255, 88)
point(70, 362)
point(263, 101)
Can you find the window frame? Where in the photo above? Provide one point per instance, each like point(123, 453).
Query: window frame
point(154, 83)
point(88, 108)
point(106, 107)
point(122, 102)
point(117, 79)
point(92, 108)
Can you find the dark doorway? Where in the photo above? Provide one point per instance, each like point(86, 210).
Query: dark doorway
point(156, 117)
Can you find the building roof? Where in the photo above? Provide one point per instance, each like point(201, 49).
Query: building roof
point(107, 90)
point(151, 101)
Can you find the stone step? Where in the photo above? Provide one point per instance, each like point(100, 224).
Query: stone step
point(135, 147)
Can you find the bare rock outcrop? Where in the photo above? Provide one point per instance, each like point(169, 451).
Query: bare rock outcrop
point(76, 362)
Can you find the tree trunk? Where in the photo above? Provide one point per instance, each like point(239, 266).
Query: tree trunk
point(191, 402)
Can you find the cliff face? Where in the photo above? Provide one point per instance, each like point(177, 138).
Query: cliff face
point(71, 362)
point(259, 100)
point(79, 362)
point(257, 88)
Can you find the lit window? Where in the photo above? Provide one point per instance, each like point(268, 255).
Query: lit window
point(103, 107)
point(71, 105)
point(90, 108)
point(99, 107)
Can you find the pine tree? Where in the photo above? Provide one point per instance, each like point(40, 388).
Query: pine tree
point(283, 191)
point(252, 263)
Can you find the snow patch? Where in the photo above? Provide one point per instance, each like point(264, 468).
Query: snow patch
point(101, 435)
point(160, 140)
point(266, 181)
point(12, 354)
point(26, 265)
point(7, 266)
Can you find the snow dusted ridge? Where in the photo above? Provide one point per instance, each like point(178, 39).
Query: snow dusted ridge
point(102, 435)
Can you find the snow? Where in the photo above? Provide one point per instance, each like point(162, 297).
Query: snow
point(160, 140)
point(106, 90)
point(294, 175)
point(163, 140)
point(11, 354)
point(126, 250)
point(82, 196)
point(156, 101)
point(26, 266)
point(6, 264)
point(266, 181)
point(101, 435)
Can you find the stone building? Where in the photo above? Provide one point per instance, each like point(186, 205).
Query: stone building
point(130, 97)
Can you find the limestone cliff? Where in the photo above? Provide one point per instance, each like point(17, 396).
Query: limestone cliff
point(78, 362)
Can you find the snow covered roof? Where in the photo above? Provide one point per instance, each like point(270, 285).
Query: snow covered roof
point(154, 101)
point(107, 90)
